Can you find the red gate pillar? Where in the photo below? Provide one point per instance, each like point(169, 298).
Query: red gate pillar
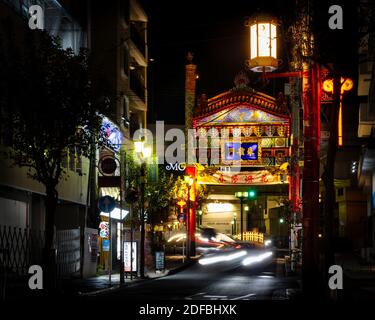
point(310, 187)
point(191, 171)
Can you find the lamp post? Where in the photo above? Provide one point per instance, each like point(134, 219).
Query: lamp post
point(311, 109)
point(200, 212)
point(235, 222)
point(189, 182)
point(241, 195)
point(144, 153)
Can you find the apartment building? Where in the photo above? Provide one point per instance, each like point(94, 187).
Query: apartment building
point(116, 36)
point(366, 125)
point(21, 198)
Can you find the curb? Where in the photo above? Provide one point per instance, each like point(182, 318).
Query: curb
point(125, 285)
point(182, 268)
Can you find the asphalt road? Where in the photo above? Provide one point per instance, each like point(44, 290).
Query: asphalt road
point(220, 280)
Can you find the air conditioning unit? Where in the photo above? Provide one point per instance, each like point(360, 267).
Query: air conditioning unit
point(366, 120)
point(364, 81)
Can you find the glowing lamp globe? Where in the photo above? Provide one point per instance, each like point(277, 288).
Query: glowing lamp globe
point(263, 44)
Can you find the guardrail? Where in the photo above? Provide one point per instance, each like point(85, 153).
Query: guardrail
point(251, 237)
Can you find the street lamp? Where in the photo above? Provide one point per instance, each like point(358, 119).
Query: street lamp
point(310, 73)
point(263, 44)
point(241, 195)
point(144, 152)
point(189, 182)
point(200, 212)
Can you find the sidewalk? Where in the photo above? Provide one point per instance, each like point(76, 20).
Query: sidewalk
point(100, 284)
point(70, 288)
point(359, 278)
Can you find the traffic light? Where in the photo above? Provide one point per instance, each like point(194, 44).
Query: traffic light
point(252, 194)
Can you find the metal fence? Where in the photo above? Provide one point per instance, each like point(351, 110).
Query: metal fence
point(68, 252)
point(19, 249)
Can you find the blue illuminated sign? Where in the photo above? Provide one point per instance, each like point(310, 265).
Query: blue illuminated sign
point(241, 151)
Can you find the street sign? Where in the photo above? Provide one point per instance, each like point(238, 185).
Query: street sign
point(104, 229)
point(181, 217)
point(107, 165)
point(106, 204)
point(105, 245)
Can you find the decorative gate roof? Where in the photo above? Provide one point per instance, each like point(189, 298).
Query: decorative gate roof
point(246, 97)
point(240, 114)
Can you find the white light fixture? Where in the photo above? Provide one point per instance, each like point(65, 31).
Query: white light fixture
point(146, 152)
point(115, 214)
point(138, 146)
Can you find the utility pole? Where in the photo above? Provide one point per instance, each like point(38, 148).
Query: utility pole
point(122, 280)
point(328, 175)
point(241, 204)
point(143, 182)
point(310, 189)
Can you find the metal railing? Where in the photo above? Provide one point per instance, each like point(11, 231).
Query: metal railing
point(251, 237)
point(19, 249)
point(68, 252)
point(22, 248)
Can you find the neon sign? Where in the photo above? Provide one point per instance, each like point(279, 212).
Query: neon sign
point(112, 133)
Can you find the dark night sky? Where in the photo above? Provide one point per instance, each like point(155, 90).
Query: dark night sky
point(215, 32)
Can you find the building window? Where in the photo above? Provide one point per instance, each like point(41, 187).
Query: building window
point(125, 111)
point(126, 60)
point(340, 192)
point(72, 158)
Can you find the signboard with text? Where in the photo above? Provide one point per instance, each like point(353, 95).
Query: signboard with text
point(130, 258)
point(159, 260)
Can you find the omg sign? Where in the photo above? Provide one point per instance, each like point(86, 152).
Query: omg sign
point(175, 167)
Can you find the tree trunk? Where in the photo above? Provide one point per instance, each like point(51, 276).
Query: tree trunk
point(49, 251)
